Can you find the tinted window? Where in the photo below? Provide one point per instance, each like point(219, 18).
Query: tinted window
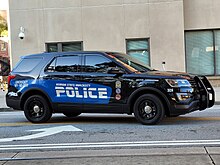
point(67, 64)
point(27, 64)
point(97, 63)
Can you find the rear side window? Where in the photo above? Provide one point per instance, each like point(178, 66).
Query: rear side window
point(27, 64)
point(67, 64)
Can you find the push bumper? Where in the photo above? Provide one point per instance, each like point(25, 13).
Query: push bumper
point(205, 99)
point(206, 92)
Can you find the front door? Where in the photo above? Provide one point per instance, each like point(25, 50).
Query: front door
point(104, 90)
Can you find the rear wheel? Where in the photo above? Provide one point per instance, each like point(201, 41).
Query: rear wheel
point(148, 109)
point(71, 114)
point(36, 109)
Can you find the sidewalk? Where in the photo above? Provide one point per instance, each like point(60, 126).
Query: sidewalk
point(3, 105)
point(166, 156)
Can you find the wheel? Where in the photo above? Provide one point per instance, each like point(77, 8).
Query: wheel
point(71, 114)
point(148, 109)
point(36, 109)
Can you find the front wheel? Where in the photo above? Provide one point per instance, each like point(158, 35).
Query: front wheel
point(148, 109)
point(36, 109)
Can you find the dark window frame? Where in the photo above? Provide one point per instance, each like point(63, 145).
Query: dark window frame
point(60, 45)
point(214, 47)
point(139, 39)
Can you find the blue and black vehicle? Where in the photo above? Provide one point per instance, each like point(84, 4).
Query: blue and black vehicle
point(102, 82)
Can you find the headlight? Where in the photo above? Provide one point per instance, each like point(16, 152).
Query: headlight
point(178, 82)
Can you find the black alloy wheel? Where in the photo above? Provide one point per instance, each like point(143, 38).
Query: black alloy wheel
point(148, 109)
point(36, 109)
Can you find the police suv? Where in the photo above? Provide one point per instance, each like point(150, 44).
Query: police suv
point(102, 82)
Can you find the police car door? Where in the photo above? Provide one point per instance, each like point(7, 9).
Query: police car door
point(102, 90)
point(61, 80)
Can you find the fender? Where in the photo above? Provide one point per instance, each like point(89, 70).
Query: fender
point(36, 89)
point(150, 89)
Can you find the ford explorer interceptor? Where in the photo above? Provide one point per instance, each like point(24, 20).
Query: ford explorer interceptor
point(102, 82)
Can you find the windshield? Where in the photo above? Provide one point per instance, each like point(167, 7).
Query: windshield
point(130, 63)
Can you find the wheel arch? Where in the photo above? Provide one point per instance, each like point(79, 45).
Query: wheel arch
point(149, 90)
point(35, 91)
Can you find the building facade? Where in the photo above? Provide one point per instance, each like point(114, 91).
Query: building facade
point(185, 34)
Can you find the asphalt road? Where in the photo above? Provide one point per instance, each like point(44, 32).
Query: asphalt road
point(200, 125)
point(100, 138)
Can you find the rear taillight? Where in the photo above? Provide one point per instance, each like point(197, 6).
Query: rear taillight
point(10, 77)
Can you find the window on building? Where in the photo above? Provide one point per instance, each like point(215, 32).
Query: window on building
point(52, 47)
point(67, 64)
point(97, 63)
point(217, 51)
point(64, 47)
point(139, 49)
point(202, 52)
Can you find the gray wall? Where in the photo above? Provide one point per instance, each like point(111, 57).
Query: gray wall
point(101, 25)
point(201, 14)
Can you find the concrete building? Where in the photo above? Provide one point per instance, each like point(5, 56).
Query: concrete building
point(183, 33)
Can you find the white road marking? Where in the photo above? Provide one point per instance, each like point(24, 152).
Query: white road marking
point(111, 144)
point(44, 132)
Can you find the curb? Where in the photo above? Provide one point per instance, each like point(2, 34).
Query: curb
point(217, 103)
point(6, 109)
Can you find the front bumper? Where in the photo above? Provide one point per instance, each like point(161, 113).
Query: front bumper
point(204, 98)
point(206, 92)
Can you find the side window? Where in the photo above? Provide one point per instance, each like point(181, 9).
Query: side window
point(97, 63)
point(67, 64)
point(27, 64)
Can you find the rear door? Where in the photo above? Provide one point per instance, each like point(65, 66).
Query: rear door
point(61, 80)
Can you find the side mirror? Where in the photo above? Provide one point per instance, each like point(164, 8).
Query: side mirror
point(116, 71)
point(51, 69)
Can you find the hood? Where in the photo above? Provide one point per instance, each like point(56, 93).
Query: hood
point(170, 74)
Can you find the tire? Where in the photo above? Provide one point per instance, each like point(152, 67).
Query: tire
point(36, 109)
point(71, 114)
point(148, 109)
